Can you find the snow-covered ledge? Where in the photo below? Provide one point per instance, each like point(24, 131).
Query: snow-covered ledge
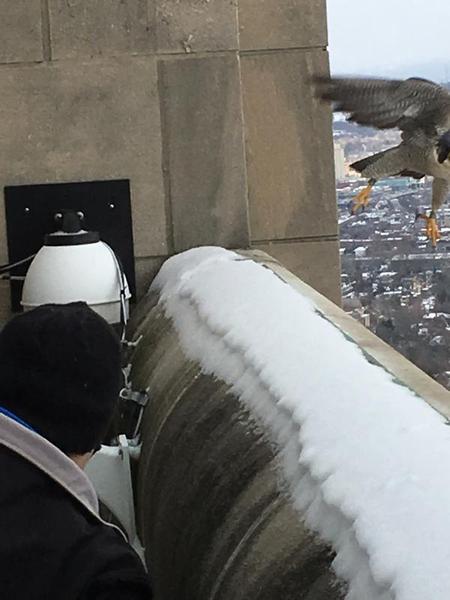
point(362, 450)
point(372, 346)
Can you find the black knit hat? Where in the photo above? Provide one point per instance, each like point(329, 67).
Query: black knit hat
point(60, 372)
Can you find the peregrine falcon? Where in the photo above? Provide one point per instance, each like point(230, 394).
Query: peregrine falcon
point(420, 109)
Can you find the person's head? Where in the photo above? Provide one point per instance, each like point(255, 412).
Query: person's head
point(60, 372)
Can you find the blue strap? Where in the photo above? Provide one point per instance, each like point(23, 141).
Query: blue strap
point(11, 415)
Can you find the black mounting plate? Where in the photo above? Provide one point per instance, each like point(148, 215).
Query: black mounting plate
point(30, 211)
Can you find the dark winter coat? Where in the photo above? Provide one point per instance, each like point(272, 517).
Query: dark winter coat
point(53, 544)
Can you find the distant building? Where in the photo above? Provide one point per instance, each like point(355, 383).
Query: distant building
point(339, 162)
point(445, 217)
point(360, 252)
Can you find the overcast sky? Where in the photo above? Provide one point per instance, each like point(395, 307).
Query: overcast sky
point(384, 36)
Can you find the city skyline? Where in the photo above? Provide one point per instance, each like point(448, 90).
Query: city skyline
point(382, 37)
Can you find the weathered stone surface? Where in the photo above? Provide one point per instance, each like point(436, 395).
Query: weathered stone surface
point(146, 270)
point(281, 560)
point(204, 161)
point(290, 164)
point(111, 27)
point(211, 513)
point(83, 122)
point(101, 27)
point(20, 31)
point(316, 263)
point(196, 25)
point(272, 24)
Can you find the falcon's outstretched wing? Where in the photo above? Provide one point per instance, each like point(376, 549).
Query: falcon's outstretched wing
point(410, 105)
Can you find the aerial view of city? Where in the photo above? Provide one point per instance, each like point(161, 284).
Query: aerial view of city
point(392, 279)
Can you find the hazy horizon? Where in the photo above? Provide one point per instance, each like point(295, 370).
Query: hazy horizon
point(389, 37)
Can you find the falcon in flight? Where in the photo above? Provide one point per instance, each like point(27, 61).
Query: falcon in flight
point(420, 109)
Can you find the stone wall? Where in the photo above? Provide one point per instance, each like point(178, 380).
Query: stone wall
point(213, 510)
point(205, 105)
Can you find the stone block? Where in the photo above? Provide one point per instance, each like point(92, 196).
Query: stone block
point(274, 24)
point(101, 27)
point(204, 162)
point(290, 164)
point(196, 25)
point(84, 122)
point(315, 263)
point(20, 31)
point(244, 540)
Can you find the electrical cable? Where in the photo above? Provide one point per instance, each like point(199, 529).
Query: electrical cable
point(122, 292)
point(6, 268)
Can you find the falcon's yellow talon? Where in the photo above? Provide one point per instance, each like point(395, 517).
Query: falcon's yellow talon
point(362, 199)
point(431, 228)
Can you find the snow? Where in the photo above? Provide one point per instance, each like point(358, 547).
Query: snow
point(433, 315)
point(366, 460)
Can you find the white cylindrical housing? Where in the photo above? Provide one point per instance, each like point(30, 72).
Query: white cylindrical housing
point(86, 272)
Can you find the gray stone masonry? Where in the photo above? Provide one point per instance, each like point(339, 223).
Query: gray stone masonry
point(205, 105)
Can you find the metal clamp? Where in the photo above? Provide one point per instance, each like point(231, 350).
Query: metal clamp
point(127, 393)
point(130, 395)
point(140, 398)
point(129, 344)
